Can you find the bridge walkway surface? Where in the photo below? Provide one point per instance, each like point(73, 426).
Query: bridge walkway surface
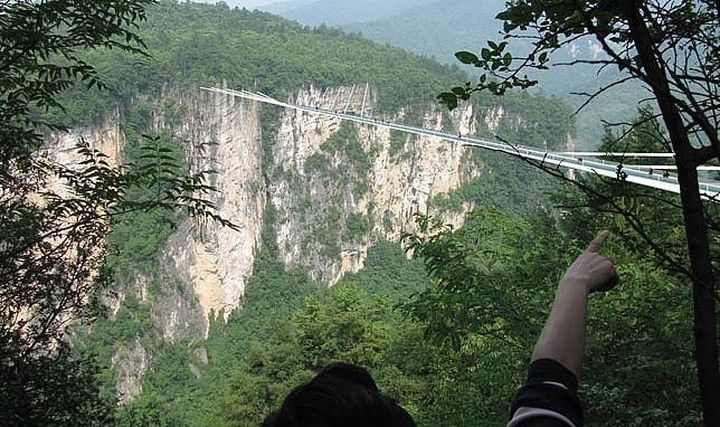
point(589, 162)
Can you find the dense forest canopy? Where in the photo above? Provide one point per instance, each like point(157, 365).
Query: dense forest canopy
point(192, 44)
point(438, 29)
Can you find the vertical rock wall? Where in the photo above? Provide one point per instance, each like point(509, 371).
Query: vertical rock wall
point(399, 180)
point(396, 178)
point(402, 174)
point(222, 134)
point(333, 197)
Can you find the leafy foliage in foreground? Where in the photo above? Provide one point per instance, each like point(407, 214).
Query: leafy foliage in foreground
point(55, 215)
point(456, 351)
point(52, 243)
point(671, 49)
point(493, 285)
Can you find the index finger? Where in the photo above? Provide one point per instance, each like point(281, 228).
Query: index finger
point(598, 242)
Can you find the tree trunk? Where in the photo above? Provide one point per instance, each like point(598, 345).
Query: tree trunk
point(705, 321)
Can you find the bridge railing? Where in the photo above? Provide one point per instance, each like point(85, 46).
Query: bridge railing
point(710, 189)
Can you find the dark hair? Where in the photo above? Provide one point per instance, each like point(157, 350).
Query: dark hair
point(340, 395)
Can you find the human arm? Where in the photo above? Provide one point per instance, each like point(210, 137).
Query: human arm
point(563, 337)
point(549, 399)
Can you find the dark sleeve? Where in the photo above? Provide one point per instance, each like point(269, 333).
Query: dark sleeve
point(553, 387)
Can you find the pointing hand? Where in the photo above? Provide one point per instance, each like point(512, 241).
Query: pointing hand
point(592, 270)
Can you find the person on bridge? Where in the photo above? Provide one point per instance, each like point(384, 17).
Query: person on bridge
point(346, 395)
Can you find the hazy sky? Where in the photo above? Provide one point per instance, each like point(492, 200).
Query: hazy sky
point(253, 3)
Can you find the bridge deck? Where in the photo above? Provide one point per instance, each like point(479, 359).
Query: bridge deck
point(574, 161)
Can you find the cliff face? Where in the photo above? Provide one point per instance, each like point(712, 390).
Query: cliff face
point(333, 190)
point(220, 134)
point(106, 137)
point(338, 188)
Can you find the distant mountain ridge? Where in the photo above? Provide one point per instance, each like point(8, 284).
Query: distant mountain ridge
point(247, 4)
point(441, 28)
point(436, 29)
point(281, 7)
point(341, 12)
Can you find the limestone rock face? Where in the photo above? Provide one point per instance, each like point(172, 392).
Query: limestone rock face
point(399, 176)
point(221, 134)
point(106, 137)
point(398, 180)
point(62, 149)
point(391, 178)
point(334, 188)
point(131, 363)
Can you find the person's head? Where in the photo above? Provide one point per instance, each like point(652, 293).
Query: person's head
point(340, 395)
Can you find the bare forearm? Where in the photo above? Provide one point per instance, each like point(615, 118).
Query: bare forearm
point(563, 337)
point(563, 340)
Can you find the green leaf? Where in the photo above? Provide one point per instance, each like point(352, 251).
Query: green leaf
point(448, 99)
point(505, 15)
point(507, 59)
point(467, 57)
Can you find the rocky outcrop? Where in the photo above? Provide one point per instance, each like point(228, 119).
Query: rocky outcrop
point(221, 134)
point(335, 189)
point(130, 362)
point(326, 219)
point(62, 149)
point(106, 137)
point(397, 175)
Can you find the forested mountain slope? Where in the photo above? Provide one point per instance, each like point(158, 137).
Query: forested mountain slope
point(300, 227)
point(442, 28)
point(206, 325)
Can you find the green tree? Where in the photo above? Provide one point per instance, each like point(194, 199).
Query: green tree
point(52, 249)
point(670, 47)
point(492, 285)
